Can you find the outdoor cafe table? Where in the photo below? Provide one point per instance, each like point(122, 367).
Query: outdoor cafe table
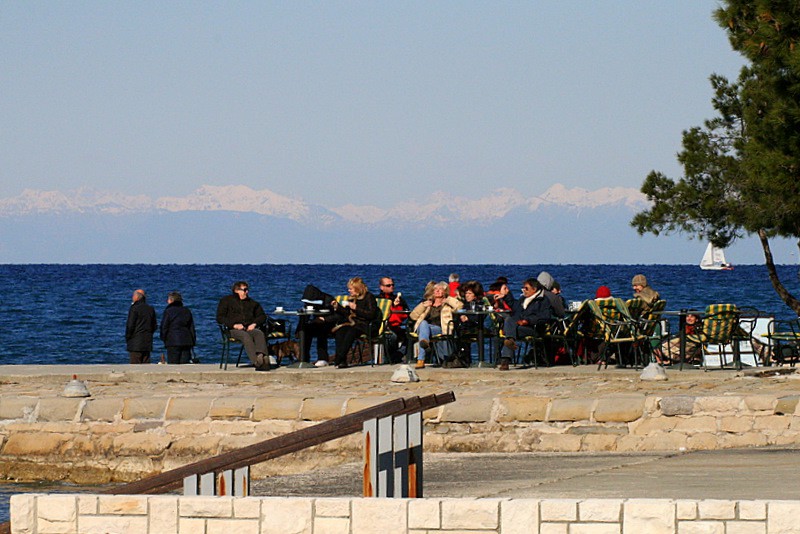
point(303, 362)
point(481, 313)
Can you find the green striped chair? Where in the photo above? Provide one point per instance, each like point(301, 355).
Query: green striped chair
point(720, 327)
point(618, 329)
point(635, 307)
point(651, 329)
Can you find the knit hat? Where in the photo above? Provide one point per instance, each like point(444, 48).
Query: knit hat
point(639, 280)
point(546, 280)
point(603, 292)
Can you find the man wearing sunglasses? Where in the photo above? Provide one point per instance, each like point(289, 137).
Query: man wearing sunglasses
point(396, 320)
point(245, 318)
point(529, 315)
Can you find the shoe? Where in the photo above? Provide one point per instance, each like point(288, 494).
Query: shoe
point(424, 344)
point(510, 343)
point(272, 361)
point(420, 364)
point(342, 365)
point(503, 365)
point(262, 363)
point(321, 363)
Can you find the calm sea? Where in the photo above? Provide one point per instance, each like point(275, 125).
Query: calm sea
point(75, 314)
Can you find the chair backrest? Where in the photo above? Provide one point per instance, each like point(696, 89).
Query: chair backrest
point(635, 307)
point(652, 318)
point(719, 323)
point(385, 307)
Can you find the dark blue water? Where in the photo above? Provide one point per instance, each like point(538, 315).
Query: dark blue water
point(75, 314)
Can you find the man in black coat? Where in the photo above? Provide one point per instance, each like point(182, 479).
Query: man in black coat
point(177, 330)
point(139, 328)
point(529, 316)
point(245, 317)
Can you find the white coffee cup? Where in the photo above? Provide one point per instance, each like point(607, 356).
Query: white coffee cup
point(309, 308)
point(278, 308)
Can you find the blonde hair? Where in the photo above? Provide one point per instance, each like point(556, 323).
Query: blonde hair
point(443, 286)
point(428, 292)
point(358, 284)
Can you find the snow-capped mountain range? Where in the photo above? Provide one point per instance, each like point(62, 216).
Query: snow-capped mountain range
point(440, 207)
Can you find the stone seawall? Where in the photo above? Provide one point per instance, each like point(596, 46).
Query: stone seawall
point(37, 514)
point(122, 438)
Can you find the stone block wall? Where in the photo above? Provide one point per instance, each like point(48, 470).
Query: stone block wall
point(164, 514)
point(99, 440)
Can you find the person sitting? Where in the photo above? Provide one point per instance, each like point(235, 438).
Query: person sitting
point(497, 291)
point(467, 326)
point(558, 292)
point(177, 330)
point(399, 338)
point(354, 318)
point(318, 326)
point(528, 317)
point(453, 285)
point(433, 316)
point(245, 318)
point(589, 348)
point(547, 282)
point(670, 350)
point(643, 292)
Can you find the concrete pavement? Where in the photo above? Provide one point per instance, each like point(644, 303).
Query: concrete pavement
point(738, 474)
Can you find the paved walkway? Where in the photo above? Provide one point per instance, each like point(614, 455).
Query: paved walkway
point(730, 474)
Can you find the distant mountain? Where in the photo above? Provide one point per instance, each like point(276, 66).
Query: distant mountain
point(235, 224)
point(439, 207)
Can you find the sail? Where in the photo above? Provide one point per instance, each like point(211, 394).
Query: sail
point(714, 259)
point(708, 257)
point(718, 255)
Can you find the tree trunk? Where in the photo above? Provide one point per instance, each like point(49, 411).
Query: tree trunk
point(782, 292)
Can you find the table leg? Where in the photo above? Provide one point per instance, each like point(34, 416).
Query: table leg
point(303, 363)
point(481, 352)
point(682, 337)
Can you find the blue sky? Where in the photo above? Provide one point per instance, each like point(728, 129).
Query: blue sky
point(339, 102)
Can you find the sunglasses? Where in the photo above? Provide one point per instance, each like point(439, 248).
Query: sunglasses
point(245, 289)
point(388, 285)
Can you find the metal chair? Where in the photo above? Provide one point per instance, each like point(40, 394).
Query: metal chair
point(615, 329)
point(784, 337)
point(377, 335)
point(652, 331)
point(227, 341)
point(720, 329)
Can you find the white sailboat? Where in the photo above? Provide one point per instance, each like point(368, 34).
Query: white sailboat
point(714, 260)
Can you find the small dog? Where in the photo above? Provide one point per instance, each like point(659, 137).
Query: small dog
point(284, 349)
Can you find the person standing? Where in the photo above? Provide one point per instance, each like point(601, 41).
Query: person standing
point(139, 328)
point(177, 330)
point(244, 317)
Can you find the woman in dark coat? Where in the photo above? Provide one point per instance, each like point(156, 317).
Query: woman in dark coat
point(177, 330)
point(354, 318)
